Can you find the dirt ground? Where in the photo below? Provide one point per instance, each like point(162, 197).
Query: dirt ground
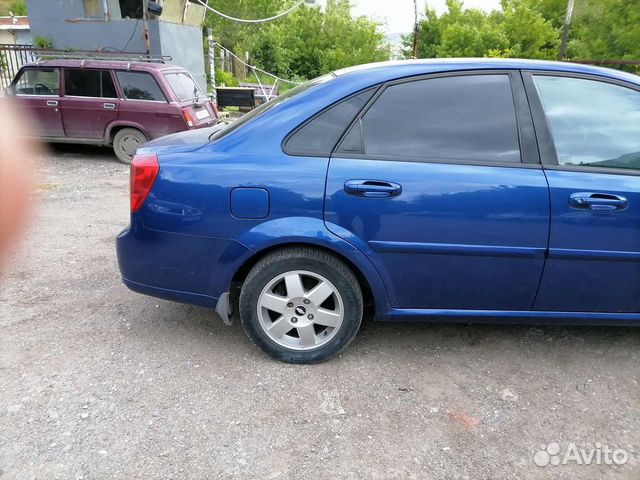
point(97, 382)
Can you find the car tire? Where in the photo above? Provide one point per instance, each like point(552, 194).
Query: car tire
point(301, 305)
point(125, 143)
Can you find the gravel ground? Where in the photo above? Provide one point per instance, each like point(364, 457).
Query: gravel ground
point(97, 382)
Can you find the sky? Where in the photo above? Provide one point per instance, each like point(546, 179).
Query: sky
point(398, 14)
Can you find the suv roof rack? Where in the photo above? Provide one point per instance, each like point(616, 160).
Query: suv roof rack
point(53, 54)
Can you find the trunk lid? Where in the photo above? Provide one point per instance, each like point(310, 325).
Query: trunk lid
point(199, 113)
point(181, 142)
point(197, 109)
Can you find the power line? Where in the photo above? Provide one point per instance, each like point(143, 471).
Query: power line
point(253, 67)
point(135, 29)
point(244, 20)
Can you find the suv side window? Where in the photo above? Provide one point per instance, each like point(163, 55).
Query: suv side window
point(593, 123)
point(465, 117)
point(38, 81)
point(80, 82)
point(319, 136)
point(140, 86)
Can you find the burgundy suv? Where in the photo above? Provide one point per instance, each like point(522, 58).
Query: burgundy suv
point(117, 103)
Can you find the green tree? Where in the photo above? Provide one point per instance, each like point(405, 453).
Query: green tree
point(601, 29)
point(470, 33)
point(17, 7)
point(304, 44)
point(529, 33)
point(333, 39)
point(230, 33)
point(518, 30)
point(605, 29)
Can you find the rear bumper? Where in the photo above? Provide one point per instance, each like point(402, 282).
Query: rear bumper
point(207, 124)
point(182, 268)
point(174, 295)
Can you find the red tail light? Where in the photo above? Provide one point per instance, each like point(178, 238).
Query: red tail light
point(144, 170)
point(188, 117)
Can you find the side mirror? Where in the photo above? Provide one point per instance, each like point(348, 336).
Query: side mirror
point(9, 91)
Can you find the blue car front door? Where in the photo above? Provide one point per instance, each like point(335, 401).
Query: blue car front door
point(438, 185)
point(589, 133)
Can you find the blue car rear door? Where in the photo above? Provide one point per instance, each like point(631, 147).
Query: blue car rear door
point(438, 181)
point(589, 133)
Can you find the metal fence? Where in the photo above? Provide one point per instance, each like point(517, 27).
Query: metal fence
point(12, 57)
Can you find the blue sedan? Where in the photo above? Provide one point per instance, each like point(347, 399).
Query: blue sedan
point(456, 190)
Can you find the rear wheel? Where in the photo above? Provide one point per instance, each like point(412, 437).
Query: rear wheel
point(301, 305)
point(126, 142)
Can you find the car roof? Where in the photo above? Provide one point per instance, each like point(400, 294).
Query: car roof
point(286, 115)
point(400, 68)
point(107, 64)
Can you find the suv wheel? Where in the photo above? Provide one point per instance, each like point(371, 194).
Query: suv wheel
point(126, 142)
point(301, 305)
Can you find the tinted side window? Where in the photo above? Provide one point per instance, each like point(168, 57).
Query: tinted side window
point(140, 86)
point(38, 81)
point(593, 123)
point(88, 83)
point(469, 117)
point(320, 135)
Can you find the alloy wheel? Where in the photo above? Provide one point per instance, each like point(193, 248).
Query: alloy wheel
point(300, 310)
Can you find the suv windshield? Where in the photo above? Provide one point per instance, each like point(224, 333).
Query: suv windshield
point(184, 86)
point(270, 104)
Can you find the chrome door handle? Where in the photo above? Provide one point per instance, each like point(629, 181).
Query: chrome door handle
point(372, 188)
point(602, 202)
point(110, 106)
point(52, 103)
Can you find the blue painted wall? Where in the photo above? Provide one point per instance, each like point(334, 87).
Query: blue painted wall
point(66, 25)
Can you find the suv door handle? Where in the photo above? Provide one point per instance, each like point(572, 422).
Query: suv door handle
point(602, 202)
point(110, 106)
point(372, 188)
point(52, 103)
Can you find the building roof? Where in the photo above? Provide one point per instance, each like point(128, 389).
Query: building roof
point(14, 23)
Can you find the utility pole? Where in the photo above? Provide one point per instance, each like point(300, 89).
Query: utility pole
point(565, 29)
point(416, 29)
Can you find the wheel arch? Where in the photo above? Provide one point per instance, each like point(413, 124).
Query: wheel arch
point(365, 285)
point(115, 127)
point(308, 232)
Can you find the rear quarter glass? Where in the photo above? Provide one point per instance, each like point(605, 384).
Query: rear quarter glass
point(138, 85)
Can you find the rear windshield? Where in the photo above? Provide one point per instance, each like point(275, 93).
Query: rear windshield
point(270, 104)
point(184, 86)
